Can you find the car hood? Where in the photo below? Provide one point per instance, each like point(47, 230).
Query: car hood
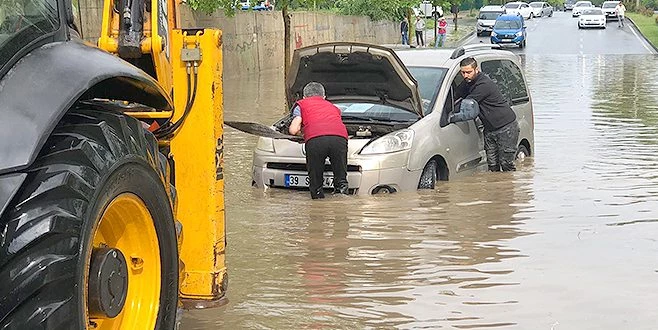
point(487, 22)
point(591, 16)
point(354, 72)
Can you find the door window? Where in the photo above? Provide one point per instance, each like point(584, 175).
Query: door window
point(509, 79)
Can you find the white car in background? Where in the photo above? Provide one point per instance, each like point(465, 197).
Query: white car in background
point(609, 9)
point(581, 6)
point(591, 17)
point(519, 8)
point(541, 9)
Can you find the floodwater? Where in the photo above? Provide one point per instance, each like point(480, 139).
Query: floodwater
point(569, 241)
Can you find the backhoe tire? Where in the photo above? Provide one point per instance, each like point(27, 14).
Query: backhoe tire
point(429, 176)
point(91, 227)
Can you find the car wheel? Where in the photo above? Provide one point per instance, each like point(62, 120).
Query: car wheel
point(522, 44)
point(429, 176)
point(550, 15)
point(522, 153)
point(89, 240)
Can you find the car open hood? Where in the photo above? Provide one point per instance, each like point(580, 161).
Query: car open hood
point(354, 72)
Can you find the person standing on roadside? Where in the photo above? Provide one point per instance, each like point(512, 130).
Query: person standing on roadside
point(325, 135)
point(441, 33)
point(621, 12)
point(404, 30)
point(420, 30)
point(501, 131)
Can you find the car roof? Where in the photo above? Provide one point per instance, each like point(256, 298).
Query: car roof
point(509, 17)
point(443, 58)
point(492, 8)
point(537, 2)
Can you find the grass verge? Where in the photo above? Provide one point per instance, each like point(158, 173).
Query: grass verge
point(647, 26)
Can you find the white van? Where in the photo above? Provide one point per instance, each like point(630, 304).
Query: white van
point(487, 18)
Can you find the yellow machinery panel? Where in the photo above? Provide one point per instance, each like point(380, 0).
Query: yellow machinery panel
point(197, 149)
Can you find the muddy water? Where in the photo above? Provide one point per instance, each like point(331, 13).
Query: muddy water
point(569, 241)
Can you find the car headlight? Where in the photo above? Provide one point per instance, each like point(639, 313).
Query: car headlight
point(493, 34)
point(396, 141)
point(518, 34)
point(265, 144)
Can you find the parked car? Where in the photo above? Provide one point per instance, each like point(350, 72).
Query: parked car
point(608, 8)
point(541, 9)
point(396, 107)
point(581, 6)
point(568, 4)
point(487, 18)
point(520, 8)
point(592, 17)
point(509, 29)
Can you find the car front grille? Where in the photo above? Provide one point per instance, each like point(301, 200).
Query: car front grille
point(302, 167)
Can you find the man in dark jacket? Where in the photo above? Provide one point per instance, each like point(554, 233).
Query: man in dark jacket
point(325, 136)
point(501, 131)
point(404, 30)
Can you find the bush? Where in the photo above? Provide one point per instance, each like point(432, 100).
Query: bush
point(645, 11)
point(656, 19)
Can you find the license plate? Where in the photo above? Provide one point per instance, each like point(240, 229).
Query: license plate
point(294, 180)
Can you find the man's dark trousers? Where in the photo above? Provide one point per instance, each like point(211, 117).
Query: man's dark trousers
point(317, 150)
point(500, 146)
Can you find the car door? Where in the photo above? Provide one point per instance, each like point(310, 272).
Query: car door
point(509, 79)
point(463, 141)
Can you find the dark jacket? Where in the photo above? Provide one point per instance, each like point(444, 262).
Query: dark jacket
point(404, 26)
point(495, 112)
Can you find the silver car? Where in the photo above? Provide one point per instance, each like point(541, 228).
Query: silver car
point(396, 108)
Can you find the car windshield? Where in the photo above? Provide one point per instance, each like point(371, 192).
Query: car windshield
point(610, 4)
point(359, 111)
point(512, 5)
point(593, 12)
point(536, 4)
point(23, 21)
point(582, 4)
point(570, 2)
point(507, 25)
point(429, 81)
point(489, 15)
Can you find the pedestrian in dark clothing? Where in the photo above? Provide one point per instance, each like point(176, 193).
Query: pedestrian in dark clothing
point(501, 131)
point(325, 135)
point(404, 30)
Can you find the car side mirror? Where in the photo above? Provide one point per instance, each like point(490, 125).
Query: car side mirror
point(524, 26)
point(468, 110)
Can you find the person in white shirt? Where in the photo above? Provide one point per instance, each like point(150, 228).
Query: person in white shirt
point(420, 30)
point(621, 12)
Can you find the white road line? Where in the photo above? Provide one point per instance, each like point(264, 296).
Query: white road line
point(640, 39)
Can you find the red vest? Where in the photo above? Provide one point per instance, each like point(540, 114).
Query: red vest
point(320, 117)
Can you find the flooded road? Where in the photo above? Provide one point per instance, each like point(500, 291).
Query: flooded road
point(569, 241)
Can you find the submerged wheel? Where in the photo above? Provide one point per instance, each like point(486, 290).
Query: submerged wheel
point(522, 153)
point(429, 176)
point(89, 240)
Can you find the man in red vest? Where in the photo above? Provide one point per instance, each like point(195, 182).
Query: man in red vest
point(325, 136)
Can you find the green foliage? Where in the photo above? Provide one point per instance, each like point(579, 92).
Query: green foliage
point(375, 9)
point(210, 6)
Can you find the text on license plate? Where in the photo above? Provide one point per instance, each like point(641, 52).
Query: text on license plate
point(294, 180)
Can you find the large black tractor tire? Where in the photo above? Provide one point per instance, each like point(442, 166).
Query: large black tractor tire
point(60, 265)
point(429, 176)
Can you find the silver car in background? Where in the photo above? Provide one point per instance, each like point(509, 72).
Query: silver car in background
point(396, 108)
point(610, 9)
point(487, 18)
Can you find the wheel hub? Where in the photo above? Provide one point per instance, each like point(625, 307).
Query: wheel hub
point(108, 282)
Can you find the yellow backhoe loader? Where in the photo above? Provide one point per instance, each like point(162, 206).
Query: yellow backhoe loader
point(111, 167)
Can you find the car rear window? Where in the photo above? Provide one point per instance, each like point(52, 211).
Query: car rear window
point(512, 5)
point(429, 81)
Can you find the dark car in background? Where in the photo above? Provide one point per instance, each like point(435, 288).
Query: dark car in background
point(609, 11)
point(568, 4)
